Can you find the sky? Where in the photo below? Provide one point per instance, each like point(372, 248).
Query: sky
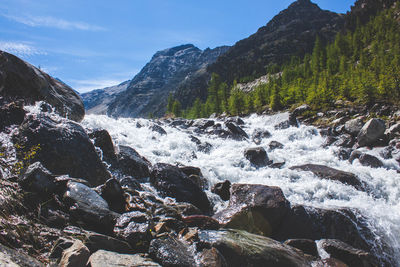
point(91, 44)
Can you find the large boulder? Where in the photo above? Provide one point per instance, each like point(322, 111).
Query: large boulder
point(65, 148)
point(113, 193)
point(328, 173)
point(12, 114)
point(370, 161)
point(129, 162)
point(372, 131)
point(257, 156)
point(308, 246)
point(103, 258)
point(102, 139)
point(240, 248)
point(236, 132)
point(38, 179)
point(354, 126)
point(222, 189)
point(170, 181)
point(21, 80)
point(257, 209)
point(75, 256)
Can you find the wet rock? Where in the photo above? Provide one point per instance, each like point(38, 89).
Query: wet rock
point(356, 154)
point(87, 206)
point(330, 262)
point(300, 110)
point(201, 221)
point(169, 251)
point(393, 131)
point(13, 258)
point(189, 170)
point(325, 172)
point(103, 258)
point(135, 227)
point(344, 153)
point(102, 139)
point(131, 163)
point(345, 140)
point(237, 120)
point(203, 124)
point(222, 190)
point(170, 181)
point(275, 145)
point(277, 165)
point(240, 248)
point(329, 141)
point(371, 132)
point(370, 161)
point(38, 179)
point(308, 246)
point(257, 156)
point(257, 209)
point(237, 133)
point(12, 114)
point(113, 193)
point(59, 246)
point(75, 256)
point(386, 153)
point(212, 258)
point(291, 122)
point(203, 147)
point(259, 135)
point(187, 209)
point(65, 148)
point(354, 126)
point(130, 182)
point(346, 253)
point(158, 129)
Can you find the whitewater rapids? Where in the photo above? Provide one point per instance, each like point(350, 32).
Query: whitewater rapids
point(225, 161)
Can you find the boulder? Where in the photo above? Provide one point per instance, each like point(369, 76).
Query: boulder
point(370, 161)
point(301, 109)
point(371, 132)
point(308, 246)
point(170, 251)
point(113, 193)
point(170, 181)
point(59, 246)
point(203, 124)
point(212, 258)
point(38, 179)
point(237, 133)
point(344, 153)
point(236, 120)
point(345, 140)
point(65, 148)
point(240, 248)
point(259, 135)
point(222, 190)
point(354, 126)
point(346, 253)
point(275, 145)
point(158, 129)
point(201, 221)
point(85, 205)
point(393, 131)
point(291, 122)
point(257, 156)
point(325, 172)
point(102, 139)
point(12, 114)
point(13, 258)
point(257, 209)
point(130, 163)
point(203, 147)
point(104, 258)
point(75, 256)
point(21, 80)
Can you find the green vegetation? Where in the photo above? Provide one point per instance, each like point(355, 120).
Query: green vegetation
point(16, 167)
point(362, 66)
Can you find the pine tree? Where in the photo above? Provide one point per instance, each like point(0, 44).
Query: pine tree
point(176, 108)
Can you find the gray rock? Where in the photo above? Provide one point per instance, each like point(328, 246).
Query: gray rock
point(113, 193)
point(12, 258)
point(370, 161)
point(371, 132)
point(275, 145)
point(212, 258)
point(102, 139)
point(300, 110)
point(259, 135)
point(158, 129)
point(236, 132)
point(11, 114)
point(393, 131)
point(130, 163)
point(38, 179)
point(354, 126)
point(103, 258)
point(308, 246)
point(75, 256)
point(257, 156)
point(222, 189)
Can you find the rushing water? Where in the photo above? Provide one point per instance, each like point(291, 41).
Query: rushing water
point(381, 206)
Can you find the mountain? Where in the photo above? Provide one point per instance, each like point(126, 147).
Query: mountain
point(148, 91)
point(21, 80)
point(291, 33)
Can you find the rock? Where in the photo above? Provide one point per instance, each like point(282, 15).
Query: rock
point(135, 227)
point(189, 170)
point(370, 161)
point(65, 148)
point(393, 131)
point(275, 145)
point(13, 258)
point(170, 181)
point(371, 132)
point(19, 79)
point(237, 120)
point(355, 155)
point(87, 206)
point(131, 163)
point(329, 141)
point(103, 258)
point(38, 179)
point(344, 153)
point(306, 245)
point(240, 248)
point(259, 135)
point(12, 114)
point(325, 172)
point(291, 122)
point(187, 209)
point(330, 262)
point(257, 209)
point(203, 124)
point(236, 131)
point(130, 183)
point(212, 258)
point(102, 139)
point(346, 253)
point(201, 221)
point(158, 129)
point(300, 110)
point(195, 175)
point(345, 140)
point(386, 153)
point(75, 256)
point(59, 246)
point(169, 251)
point(257, 156)
point(222, 190)
point(203, 147)
point(113, 193)
point(354, 126)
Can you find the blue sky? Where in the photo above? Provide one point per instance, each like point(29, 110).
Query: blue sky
point(96, 43)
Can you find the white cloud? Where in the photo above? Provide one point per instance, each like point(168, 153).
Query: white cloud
point(20, 49)
point(52, 22)
point(83, 86)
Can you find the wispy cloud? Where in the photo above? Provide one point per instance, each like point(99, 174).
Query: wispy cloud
point(20, 49)
point(83, 86)
point(52, 22)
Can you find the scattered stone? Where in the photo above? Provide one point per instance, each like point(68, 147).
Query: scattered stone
point(345, 140)
point(95, 241)
point(38, 179)
point(103, 258)
point(102, 139)
point(344, 153)
point(292, 121)
point(75, 256)
point(222, 190)
point(203, 124)
point(259, 135)
point(257, 156)
point(371, 132)
point(275, 145)
point(131, 163)
point(308, 246)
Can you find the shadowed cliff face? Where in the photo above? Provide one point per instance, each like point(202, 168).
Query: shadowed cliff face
point(21, 80)
point(291, 33)
point(149, 90)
